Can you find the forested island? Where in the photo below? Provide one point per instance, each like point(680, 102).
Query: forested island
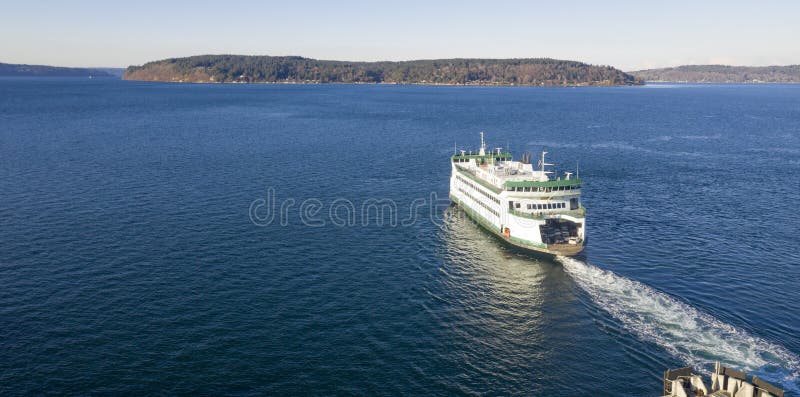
point(295, 69)
point(722, 74)
point(9, 69)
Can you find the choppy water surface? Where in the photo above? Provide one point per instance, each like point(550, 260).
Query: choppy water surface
point(129, 262)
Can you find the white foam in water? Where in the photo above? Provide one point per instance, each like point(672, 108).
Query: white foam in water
point(696, 338)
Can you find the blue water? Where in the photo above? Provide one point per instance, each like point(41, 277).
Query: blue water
point(130, 262)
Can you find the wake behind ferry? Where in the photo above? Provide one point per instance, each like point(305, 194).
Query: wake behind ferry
point(521, 205)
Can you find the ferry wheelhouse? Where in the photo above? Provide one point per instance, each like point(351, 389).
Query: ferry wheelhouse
point(526, 207)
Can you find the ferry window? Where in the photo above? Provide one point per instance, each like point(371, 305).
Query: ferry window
point(549, 206)
point(518, 206)
point(527, 189)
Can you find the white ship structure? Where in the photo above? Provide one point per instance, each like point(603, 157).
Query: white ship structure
point(524, 206)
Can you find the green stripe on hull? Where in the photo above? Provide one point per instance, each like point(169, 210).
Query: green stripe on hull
point(528, 242)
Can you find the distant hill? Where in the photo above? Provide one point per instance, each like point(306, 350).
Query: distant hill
point(9, 69)
point(292, 69)
point(116, 72)
point(722, 74)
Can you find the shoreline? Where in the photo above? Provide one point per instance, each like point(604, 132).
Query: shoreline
point(383, 83)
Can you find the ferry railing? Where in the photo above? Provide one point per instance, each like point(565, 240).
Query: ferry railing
point(579, 213)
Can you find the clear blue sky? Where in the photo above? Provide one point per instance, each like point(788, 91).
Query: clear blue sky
point(625, 34)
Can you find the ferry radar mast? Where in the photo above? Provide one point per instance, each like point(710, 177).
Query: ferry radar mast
point(543, 164)
point(483, 146)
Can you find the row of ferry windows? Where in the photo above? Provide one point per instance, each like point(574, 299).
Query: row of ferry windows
point(481, 160)
point(542, 189)
point(548, 206)
point(481, 203)
point(481, 191)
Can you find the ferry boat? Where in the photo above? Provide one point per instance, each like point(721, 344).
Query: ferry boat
point(526, 207)
point(725, 382)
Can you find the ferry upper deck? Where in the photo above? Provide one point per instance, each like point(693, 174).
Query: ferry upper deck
point(500, 172)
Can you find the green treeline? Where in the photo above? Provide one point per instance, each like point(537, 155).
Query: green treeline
point(292, 69)
point(722, 74)
point(8, 69)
